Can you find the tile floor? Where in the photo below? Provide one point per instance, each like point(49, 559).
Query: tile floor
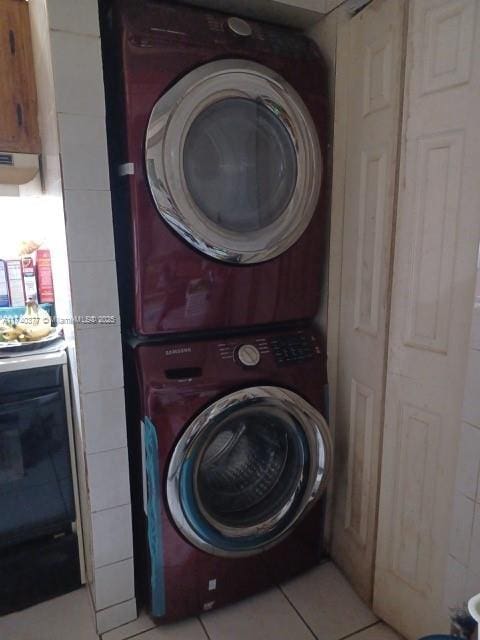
point(319, 604)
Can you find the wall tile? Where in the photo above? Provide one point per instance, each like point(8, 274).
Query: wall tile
point(468, 465)
point(112, 535)
point(471, 400)
point(95, 294)
point(104, 420)
point(89, 225)
point(114, 584)
point(83, 145)
point(108, 476)
point(74, 16)
point(99, 352)
point(78, 75)
point(461, 530)
point(115, 616)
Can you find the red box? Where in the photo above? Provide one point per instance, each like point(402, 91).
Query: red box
point(44, 276)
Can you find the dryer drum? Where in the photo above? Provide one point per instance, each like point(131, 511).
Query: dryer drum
point(246, 469)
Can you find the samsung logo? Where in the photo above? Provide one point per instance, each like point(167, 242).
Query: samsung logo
point(172, 352)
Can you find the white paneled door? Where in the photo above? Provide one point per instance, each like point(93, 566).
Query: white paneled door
point(433, 283)
point(369, 79)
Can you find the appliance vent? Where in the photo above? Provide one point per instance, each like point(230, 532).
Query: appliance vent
point(6, 159)
point(17, 168)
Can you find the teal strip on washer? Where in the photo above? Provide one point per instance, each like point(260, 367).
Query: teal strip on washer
point(154, 518)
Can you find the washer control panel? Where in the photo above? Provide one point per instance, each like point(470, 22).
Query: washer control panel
point(248, 355)
point(296, 347)
point(289, 348)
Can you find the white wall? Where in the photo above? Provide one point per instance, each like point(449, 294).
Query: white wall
point(72, 118)
point(463, 564)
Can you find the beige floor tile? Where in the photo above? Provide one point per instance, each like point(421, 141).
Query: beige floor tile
point(267, 616)
point(142, 623)
point(379, 631)
point(68, 617)
point(327, 603)
point(187, 630)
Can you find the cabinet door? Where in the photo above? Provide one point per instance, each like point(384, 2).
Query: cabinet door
point(368, 99)
point(18, 100)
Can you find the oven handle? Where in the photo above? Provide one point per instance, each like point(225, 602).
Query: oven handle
point(42, 399)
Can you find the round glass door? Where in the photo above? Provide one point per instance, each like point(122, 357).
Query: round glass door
point(240, 165)
point(233, 161)
point(246, 469)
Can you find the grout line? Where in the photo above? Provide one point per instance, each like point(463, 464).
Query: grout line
point(96, 453)
point(110, 606)
point(135, 634)
point(199, 618)
point(298, 613)
point(352, 635)
point(124, 504)
point(109, 564)
point(73, 33)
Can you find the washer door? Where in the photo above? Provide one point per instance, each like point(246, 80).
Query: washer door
point(233, 161)
point(246, 469)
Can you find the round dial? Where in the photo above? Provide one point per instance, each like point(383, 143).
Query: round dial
point(240, 27)
point(248, 355)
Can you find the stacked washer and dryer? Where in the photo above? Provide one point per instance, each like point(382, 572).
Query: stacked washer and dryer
point(221, 219)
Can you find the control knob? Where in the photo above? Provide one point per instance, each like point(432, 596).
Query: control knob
point(248, 355)
point(239, 27)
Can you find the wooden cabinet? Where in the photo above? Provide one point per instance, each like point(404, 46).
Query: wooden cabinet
point(18, 96)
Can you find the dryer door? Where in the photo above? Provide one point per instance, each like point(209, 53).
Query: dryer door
point(246, 469)
point(233, 161)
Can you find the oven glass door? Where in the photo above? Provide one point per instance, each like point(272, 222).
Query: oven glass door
point(36, 491)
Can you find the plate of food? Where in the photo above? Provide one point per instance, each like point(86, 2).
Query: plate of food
point(33, 330)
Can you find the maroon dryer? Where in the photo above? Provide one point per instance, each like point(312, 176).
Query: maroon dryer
point(235, 456)
point(225, 128)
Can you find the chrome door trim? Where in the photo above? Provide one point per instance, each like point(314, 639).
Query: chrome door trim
point(319, 442)
point(167, 128)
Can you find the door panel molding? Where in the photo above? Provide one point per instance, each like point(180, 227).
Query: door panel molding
point(359, 461)
point(439, 160)
point(436, 244)
point(369, 82)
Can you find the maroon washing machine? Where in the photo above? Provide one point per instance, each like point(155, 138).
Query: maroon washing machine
point(235, 456)
point(225, 124)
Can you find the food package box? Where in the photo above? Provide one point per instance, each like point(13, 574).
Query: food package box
point(15, 283)
point(44, 276)
point(29, 279)
point(4, 296)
